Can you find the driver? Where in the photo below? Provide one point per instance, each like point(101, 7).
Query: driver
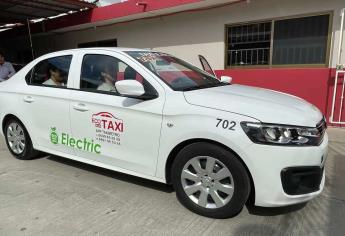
point(108, 81)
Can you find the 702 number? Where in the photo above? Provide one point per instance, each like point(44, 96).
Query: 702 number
point(225, 124)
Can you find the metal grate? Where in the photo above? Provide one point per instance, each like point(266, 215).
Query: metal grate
point(249, 44)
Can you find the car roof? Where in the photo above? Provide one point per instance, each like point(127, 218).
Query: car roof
point(121, 49)
point(114, 49)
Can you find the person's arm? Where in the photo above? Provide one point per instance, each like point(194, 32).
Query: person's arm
point(12, 70)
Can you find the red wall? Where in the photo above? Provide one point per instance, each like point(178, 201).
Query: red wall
point(312, 84)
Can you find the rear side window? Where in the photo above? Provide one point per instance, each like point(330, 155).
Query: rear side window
point(50, 72)
point(99, 73)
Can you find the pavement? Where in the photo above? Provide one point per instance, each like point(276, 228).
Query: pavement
point(55, 196)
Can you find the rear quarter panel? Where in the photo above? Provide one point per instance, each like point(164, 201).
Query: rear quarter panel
point(10, 103)
point(10, 99)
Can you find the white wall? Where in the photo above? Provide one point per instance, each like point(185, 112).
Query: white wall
point(188, 34)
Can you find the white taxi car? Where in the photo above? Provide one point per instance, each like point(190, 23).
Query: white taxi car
point(152, 115)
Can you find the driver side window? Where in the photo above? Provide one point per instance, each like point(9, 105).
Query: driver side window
point(99, 73)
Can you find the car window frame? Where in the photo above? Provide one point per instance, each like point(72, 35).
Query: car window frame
point(50, 86)
point(117, 94)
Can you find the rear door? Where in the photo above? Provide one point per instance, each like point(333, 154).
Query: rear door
point(46, 102)
point(111, 129)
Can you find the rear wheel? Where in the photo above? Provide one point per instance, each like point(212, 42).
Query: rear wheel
point(210, 181)
point(18, 140)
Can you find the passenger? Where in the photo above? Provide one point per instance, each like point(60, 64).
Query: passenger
point(108, 81)
point(56, 77)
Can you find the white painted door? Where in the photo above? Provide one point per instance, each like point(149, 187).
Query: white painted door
point(118, 131)
point(46, 105)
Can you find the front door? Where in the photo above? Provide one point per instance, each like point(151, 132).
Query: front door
point(111, 129)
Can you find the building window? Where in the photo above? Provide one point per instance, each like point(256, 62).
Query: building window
point(300, 41)
point(297, 41)
point(249, 44)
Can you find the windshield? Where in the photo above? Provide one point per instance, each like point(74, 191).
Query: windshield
point(178, 74)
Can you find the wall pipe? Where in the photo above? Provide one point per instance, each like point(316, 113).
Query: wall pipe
point(340, 50)
point(30, 38)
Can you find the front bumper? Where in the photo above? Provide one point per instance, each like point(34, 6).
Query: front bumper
point(268, 163)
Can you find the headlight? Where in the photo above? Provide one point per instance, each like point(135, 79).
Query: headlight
point(275, 134)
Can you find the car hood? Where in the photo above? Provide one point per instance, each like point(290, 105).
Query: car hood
point(265, 105)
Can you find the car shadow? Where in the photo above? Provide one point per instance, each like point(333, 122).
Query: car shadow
point(253, 210)
point(274, 211)
point(113, 174)
point(40, 155)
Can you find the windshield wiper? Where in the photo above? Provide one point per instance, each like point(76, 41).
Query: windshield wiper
point(204, 86)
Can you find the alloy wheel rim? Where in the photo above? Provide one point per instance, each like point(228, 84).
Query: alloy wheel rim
point(207, 182)
point(16, 138)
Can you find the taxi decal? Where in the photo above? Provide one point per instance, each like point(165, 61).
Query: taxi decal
point(108, 127)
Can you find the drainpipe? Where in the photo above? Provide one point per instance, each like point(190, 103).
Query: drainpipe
point(30, 38)
point(340, 50)
point(338, 68)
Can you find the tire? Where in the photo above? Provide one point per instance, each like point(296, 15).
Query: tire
point(15, 133)
point(217, 183)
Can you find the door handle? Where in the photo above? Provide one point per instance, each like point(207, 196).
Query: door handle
point(80, 107)
point(28, 99)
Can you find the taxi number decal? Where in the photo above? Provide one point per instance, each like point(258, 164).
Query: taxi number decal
point(225, 124)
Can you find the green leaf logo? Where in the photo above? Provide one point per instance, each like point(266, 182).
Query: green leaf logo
point(54, 137)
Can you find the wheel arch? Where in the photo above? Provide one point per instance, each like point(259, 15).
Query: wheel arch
point(13, 116)
point(5, 119)
point(180, 146)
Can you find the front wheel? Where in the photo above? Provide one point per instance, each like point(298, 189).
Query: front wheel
point(18, 140)
point(210, 181)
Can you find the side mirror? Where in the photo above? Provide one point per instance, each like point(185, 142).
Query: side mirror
point(226, 79)
point(131, 88)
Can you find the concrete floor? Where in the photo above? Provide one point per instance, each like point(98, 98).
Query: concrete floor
point(56, 196)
